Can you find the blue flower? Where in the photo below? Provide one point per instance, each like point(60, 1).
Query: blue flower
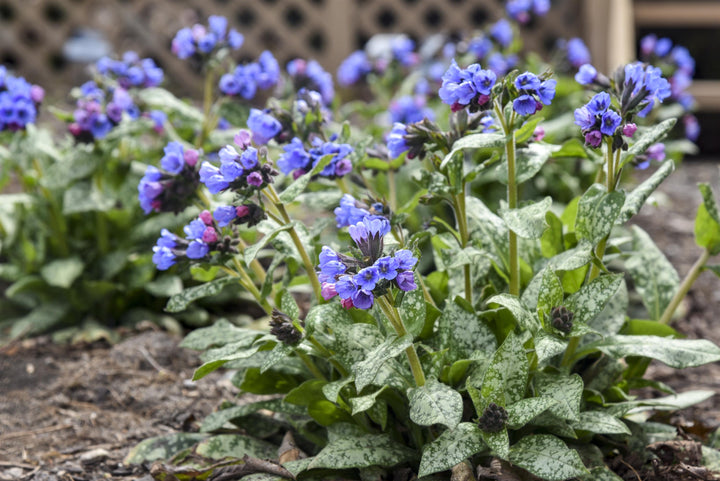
point(368, 235)
point(269, 72)
point(578, 54)
point(163, 257)
point(249, 158)
point(396, 140)
point(327, 254)
point(355, 67)
point(363, 299)
point(527, 81)
point(224, 215)
point(294, 158)
point(483, 80)
point(610, 122)
point(167, 239)
point(525, 105)
point(263, 126)
point(546, 92)
point(346, 287)
point(584, 118)
point(663, 47)
point(213, 179)
point(403, 50)
point(599, 103)
point(480, 46)
point(502, 32)
point(410, 109)
point(173, 161)
point(367, 278)
point(586, 75)
point(405, 258)
point(387, 267)
point(197, 250)
point(406, 281)
point(195, 229)
point(348, 213)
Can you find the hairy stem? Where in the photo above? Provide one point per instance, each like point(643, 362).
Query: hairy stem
point(684, 288)
point(387, 306)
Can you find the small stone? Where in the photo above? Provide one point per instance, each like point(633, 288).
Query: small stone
point(93, 456)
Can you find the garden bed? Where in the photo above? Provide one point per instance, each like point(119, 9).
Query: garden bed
point(74, 411)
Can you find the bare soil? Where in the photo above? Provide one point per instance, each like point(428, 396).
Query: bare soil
point(72, 412)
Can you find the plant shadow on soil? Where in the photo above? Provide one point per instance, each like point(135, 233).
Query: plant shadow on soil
point(72, 412)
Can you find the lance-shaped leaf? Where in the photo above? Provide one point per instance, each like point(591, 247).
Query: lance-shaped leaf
point(162, 99)
point(462, 332)
point(677, 353)
point(508, 372)
point(162, 447)
point(528, 162)
point(472, 142)
point(363, 403)
point(529, 221)
point(707, 221)
point(521, 412)
point(62, 272)
point(298, 186)
point(452, 447)
point(572, 259)
point(366, 370)
point(522, 314)
point(548, 346)
point(599, 422)
point(361, 452)
point(547, 457)
point(252, 250)
point(591, 299)
point(565, 390)
point(636, 199)
point(215, 358)
point(179, 302)
point(550, 293)
point(612, 318)
point(597, 212)
point(326, 316)
point(654, 134)
point(435, 403)
point(219, 334)
point(235, 446)
point(655, 277)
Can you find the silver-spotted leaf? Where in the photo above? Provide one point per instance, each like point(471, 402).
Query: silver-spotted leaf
point(597, 212)
point(508, 372)
point(528, 221)
point(367, 369)
point(452, 447)
point(565, 390)
point(599, 422)
point(179, 302)
point(435, 403)
point(547, 457)
point(462, 332)
point(636, 199)
point(677, 353)
point(521, 412)
point(592, 298)
point(645, 139)
point(235, 446)
point(363, 403)
point(361, 452)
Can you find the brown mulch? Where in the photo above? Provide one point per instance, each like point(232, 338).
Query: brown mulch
point(72, 412)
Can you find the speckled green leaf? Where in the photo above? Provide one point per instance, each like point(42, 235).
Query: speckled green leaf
point(299, 184)
point(656, 280)
point(521, 412)
point(62, 272)
point(452, 447)
point(412, 310)
point(435, 403)
point(525, 318)
point(498, 442)
point(547, 457)
point(612, 317)
point(489, 229)
point(528, 221)
point(367, 369)
point(162, 99)
point(673, 402)
point(215, 358)
point(162, 447)
point(551, 292)
point(551, 242)
point(572, 259)
point(179, 302)
point(547, 346)
point(636, 199)
point(354, 342)
point(462, 333)
point(363, 403)
point(85, 196)
point(597, 212)
point(474, 141)
point(599, 422)
point(361, 452)
point(645, 139)
point(707, 221)
point(217, 419)
point(252, 250)
point(566, 390)
point(235, 446)
point(280, 352)
point(677, 353)
point(326, 316)
point(592, 298)
point(601, 473)
point(528, 162)
point(508, 371)
point(331, 390)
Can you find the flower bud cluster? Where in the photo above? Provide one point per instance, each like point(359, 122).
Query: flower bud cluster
point(533, 93)
point(170, 188)
point(467, 87)
point(93, 118)
point(641, 85)
point(202, 236)
point(241, 171)
point(351, 211)
point(357, 280)
point(131, 71)
point(281, 326)
point(248, 213)
point(311, 75)
point(202, 40)
point(19, 101)
point(520, 10)
point(493, 418)
point(562, 319)
point(247, 79)
point(297, 160)
point(597, 119)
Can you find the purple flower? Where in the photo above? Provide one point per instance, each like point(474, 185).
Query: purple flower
point(406, 281)
point(586, 75)
point(295, 157)
point(483, 80)
point(546, 92)
point(410, 109)
point(629, 129)
point(327, 254)
point(167, 239)
point(584, 117)
point(593, 138)
point(328, 291)
point(403, 49)
point(173, 161)
point(663, 47)
point(656, 152)
point(225, 214)
point(213, 179)
point(363, 299)
point(692, 127)
point(502, 32)
point(346, 287)
point(195, 229)
point(527, 81)
point(263, 126)
point(457, 87)
point(163, 257)
point(348, 213)
point(610, 122)
point(367, 278)
point(255, 179)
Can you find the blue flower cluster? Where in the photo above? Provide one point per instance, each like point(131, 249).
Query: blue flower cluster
point(357, 282)
point(263, 126)
point(131, 71)
point(354, 68)
point(248, 78)
point(597, 119)
point(351, 211)
point(403, 51)
point(396, 142)
point(311, 75)
point(533, 93)
point(93, 119)
point(201, 237)
point(519, 10)
point(297, 160)
point(586, 75)
point(168, 189)
point(502, 32)
point(19, 101)
point(653, 49)
point(247, 213)
point(240, 171)
point(203, 40)
point(641, 87)
point(463, 87)
point(577, 52)
point(410, 109)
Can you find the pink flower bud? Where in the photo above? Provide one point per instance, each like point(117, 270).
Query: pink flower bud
point(209, 236)
point(539, 134)
point(593, 138)
point(328, 291)
point(243, 139)
point(629, 130)
point(297, 173)
point(191, 157)
point(74, 129)
point(206, 217)
point(347, 303)
point(482, 99)
point(254, 179)
point(242, 211)
point(37, 94)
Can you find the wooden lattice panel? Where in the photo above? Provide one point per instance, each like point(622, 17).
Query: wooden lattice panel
point(33, 32)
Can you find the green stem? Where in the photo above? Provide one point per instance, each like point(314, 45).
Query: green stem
point(307, 360)
point(461, 215)
point(392, 191)
point(309, 265)
point(248, 284)
point(387, 306)
point(207, 104)
point(512, 199)
point(684, 288)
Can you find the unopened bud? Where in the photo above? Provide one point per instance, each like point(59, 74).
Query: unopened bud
point(281, 326)
point(493, 419)
point(562, 319)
